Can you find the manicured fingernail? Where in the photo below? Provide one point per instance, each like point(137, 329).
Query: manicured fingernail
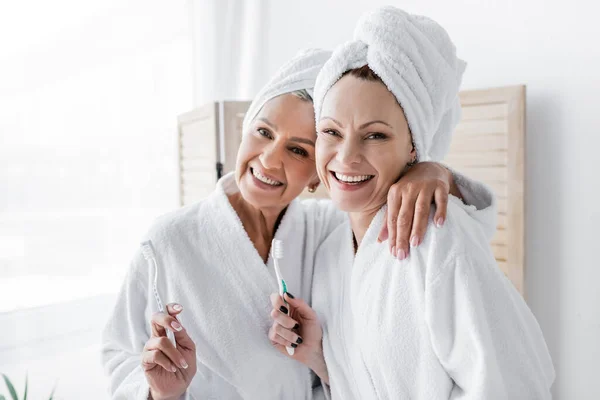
point(173, 369)
point(394, 251)
point(176, 326)
point(184, 364)
point(296, 326)
point(401, 254)
point(177, 307)
point(294, 345)
point(299, 341)
point(291, 296)
point(283, 309)
point(439, 222)
point(414, 241)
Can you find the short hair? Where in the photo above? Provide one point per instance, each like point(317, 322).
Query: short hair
point(365, 72)
point(302, 94)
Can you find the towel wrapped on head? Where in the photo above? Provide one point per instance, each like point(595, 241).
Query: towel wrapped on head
point(416, 60)
point(297, 74)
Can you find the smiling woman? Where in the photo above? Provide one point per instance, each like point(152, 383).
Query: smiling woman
point(277, 152)
point(374, 131)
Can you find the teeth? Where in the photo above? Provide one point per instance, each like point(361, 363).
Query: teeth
point(264, 178)
point(352, 179)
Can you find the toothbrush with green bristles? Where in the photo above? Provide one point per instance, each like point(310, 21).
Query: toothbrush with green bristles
point(277, 254)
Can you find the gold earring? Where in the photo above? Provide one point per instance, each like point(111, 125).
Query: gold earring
point(312, 189)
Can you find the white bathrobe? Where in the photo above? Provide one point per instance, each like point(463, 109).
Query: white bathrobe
point(443, 324)
point(208, 264)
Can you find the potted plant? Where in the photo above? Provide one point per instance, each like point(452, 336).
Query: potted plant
point(13, 392)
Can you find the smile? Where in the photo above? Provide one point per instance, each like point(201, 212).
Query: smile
point(352, 179)
point(264, 179)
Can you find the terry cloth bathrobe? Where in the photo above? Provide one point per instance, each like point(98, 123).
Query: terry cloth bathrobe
point(445, 323)
point(208, 264)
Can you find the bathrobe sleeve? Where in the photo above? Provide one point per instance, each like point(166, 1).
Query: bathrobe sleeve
point(125, 335)
point(481, 200)
point(484, 334)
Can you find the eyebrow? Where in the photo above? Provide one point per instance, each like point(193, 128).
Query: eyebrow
point(363, 126)
point(294, 138)
point(302, 140)
point(266, 121)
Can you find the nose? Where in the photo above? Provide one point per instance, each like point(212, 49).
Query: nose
point(272, 156)
point(349, 153)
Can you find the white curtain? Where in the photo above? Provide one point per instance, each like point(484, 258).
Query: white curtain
point(229, 48)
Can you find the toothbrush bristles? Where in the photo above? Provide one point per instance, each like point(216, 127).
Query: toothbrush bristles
point(277, 248)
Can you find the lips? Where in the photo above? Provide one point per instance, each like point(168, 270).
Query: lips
point(264, 178)
point(351, 179)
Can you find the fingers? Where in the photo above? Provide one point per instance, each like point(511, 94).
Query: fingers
point(421, 218)
point(284, 320)
point(174, 309)
point(164, 345)
point(301, 308)
point(441, 203)
point(283, 336)
point(152, 358)
point(394, 204)
point(404, 225)
point(278, 303)
point(383, 234)
point(161, 322)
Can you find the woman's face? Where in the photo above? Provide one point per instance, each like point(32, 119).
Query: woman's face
point(276, 159)
point(363, 144)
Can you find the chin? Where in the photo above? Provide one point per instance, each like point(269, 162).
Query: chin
point(347, 203)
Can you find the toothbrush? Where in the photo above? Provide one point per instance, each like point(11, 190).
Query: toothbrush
point(277, 253)
point(148, 253)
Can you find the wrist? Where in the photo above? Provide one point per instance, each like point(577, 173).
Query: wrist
point(454, 190)
point(317, 364)
point(154, 396)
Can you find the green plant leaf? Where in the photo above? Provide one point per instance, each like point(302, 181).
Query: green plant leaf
point(52, 394)
point(11, 388)
point(2, 397)
point(25, 395)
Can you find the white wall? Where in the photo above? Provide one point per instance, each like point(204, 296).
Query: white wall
point(550, 47)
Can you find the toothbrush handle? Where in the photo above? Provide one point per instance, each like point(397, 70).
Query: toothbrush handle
point(290, 350)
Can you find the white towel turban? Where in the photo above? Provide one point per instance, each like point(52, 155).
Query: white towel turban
point(416, 60)
point(297, 74)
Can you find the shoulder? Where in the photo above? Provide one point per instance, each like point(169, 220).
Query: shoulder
point(461, 238)
point(184, 222)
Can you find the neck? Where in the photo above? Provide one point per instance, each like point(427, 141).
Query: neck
point(260, 224)
point(360, 222)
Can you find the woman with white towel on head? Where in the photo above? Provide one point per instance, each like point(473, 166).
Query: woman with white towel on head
point(447, 324)
point(213, 259)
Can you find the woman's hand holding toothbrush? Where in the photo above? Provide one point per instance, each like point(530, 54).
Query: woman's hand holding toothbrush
point(169, 369)
point(296, 325)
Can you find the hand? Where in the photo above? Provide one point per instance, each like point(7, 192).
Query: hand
point(296, 325)
point(168, 369)
point(409, 204)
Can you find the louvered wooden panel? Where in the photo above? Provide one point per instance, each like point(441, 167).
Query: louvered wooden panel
point(233, 120)
point(197, 153)
point(200, 138)
point(488, 145)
